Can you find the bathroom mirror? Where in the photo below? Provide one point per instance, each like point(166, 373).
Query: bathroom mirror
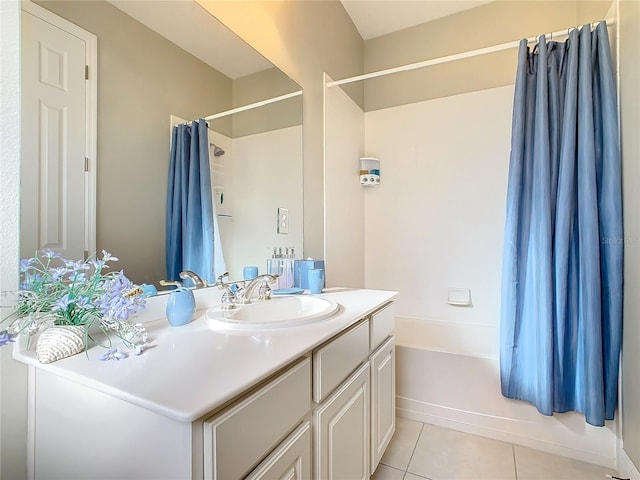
point(158, 59)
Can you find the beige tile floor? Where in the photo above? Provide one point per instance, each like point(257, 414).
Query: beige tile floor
point(421, 451)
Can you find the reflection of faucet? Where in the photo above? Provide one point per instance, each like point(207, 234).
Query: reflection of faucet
point(243, 295)
point(194, 277)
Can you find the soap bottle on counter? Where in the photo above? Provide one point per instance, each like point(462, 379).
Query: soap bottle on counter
point(273, 263)
point(287, 268)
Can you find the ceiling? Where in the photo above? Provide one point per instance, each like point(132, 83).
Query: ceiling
point(374, 18)
point(195, 30)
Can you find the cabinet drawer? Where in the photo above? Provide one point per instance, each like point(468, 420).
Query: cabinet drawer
point(333, 362)
point(383, 323)
point(237, 439)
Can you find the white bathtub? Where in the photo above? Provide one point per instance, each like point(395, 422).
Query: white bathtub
point(448, 374)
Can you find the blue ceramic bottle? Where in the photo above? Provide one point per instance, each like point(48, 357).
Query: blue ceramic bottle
point(180, 307)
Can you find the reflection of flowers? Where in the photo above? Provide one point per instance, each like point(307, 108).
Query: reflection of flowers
point(55, 291)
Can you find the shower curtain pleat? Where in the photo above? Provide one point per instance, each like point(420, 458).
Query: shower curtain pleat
point(561, 310)
point(190, 222)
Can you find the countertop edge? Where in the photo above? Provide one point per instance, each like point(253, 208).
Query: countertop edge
point(65, 368)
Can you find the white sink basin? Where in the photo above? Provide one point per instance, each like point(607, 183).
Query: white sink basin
point(275, 313)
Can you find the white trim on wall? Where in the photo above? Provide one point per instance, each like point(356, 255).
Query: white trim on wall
point(626, 468)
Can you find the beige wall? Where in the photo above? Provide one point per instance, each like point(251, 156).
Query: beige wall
point(484, 26)
point(629, 25)
point(260, 86)
point(142, 79)
point(303, 39)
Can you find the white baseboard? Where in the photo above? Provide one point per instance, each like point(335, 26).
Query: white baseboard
point(626, 468)
point(476, 424)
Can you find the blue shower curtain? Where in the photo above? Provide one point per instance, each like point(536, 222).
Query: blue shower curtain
point(562, 266)
point(190, 225)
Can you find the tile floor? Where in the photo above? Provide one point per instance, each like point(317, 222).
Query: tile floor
point(421, 451)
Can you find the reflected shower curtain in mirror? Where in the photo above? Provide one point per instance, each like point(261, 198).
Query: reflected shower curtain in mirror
point(191, 234)
point(562, 266)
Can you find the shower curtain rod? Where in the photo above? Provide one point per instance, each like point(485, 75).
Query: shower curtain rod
point(253, 105)
point(451, 58)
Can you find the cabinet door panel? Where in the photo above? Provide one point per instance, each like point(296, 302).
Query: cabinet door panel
point(383, 399)
point(342, 431)
point(290, 461)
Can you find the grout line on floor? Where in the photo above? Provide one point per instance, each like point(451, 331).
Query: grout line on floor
point(515, 462)
point(414, 450)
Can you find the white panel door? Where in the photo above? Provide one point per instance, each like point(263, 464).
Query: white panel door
point(383, 399)
point(342, 431)
point(53, 202)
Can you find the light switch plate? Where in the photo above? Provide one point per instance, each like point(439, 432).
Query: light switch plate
point(283, 220)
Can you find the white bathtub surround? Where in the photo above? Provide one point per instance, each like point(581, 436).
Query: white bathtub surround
point(444, 379)
point(435, 223)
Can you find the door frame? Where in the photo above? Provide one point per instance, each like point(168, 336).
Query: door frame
point(91, 114)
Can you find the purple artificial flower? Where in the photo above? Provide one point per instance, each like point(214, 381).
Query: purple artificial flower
point(112, 354)
point(6, 337)
point(63, 303)
point(83, 302)
point(26, 264)
point(138, 350)
point(58, 272)
point(50, 254)
point(113, 303)
point(107, 257)
point(76, 266)
point(97, 263)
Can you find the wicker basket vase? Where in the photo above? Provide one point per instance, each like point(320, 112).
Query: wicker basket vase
point(60, 341)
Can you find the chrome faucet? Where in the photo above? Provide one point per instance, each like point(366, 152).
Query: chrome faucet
point(243, 295)
point(194, 277)
point(228, 299)
point(239, 293)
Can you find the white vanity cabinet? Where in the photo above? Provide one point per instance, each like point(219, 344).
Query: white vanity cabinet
point(327, 412)
point(355, 422)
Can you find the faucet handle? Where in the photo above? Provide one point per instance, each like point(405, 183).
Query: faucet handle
point(264, 292)
point(228, 299)
point(219, 281)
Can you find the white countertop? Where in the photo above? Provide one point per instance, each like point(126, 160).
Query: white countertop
point(189, 371)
